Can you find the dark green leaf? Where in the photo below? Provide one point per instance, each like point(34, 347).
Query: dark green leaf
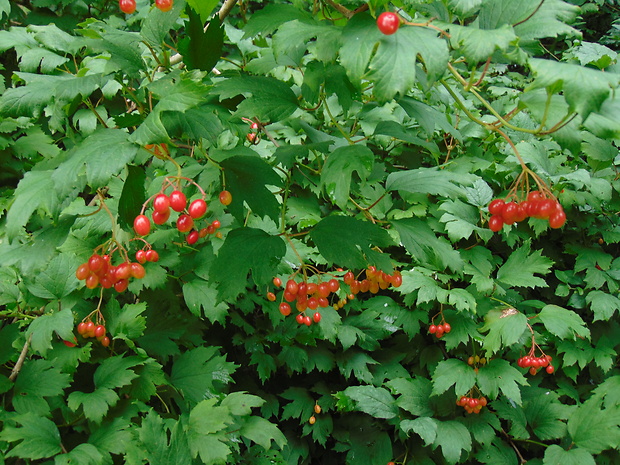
point(339, 167)
point(563, 323)
point(39, 437)
point(499, 375)
point(505, 328)
point(132, 196)
point(201, 49)
point(375, 401)
point(455, 373)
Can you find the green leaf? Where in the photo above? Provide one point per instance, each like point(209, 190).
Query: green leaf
point(208, 418)
point(195, 371)
point(393, 67)
point(164, 443)
point(103, 154)
point(82, 454)
point(35, 191)
point(375, 401)
point(132, 196)
point(339, 167)
point(347, 241)
point(425, 246)
point(455, 373)
point(355, 362)
point(246, 250)
point(520, 268)
point(499, 375)
point(112, 437)
point(593, 429)
point(128, 323)
point(157, 24)
point(358, 42)
point(201, 49)
point(57, 280)
point(266, 98)
point(114, 372)
point(603, 304)
point(199, 293)
point(555, 455)
point(424, 427)
point(29, 391)
point(43, 328)
point(426, 181)
point(563, 323)
point(262, 432)
point(479, 44)
point(269, 18)
point(568, 78)
point(241, 403)
point(505, 328)
point(453, 438)
point(203, 7)
point(247, 179)
point(414, 396)
point(39, 437)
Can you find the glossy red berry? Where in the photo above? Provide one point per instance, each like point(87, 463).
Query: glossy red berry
point(159, 217)
point(164, 5)
point(99, 331)
point(192, 237)
point(197, 208)
point(178, 201)
point(496, 207)
point(185, 223)
point(225, 198)
point(161, 203)
point(285, 309)
point(105, 342)
point(82, 271)
point(141, 256)
point(152, 255)
point(388, 22)
point(137, 271)
point(142, 225)
point(496, 223)
point(127, 6)
point(316, 317)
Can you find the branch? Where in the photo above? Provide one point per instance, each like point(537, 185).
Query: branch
point(20, 360)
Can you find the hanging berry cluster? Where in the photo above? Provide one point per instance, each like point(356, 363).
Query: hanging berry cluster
point(88, 329)
point(534, 363)
point(537, 205)
point(440, 329)
point(472, 404)
point(129, 6)
point(163, 204)
point(374, 280)
point(99, 271)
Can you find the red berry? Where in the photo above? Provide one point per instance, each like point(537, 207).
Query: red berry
point(397, 279)
point(316, 317)
point(510, 213)
point(313, 303)
point(550, 369)
point(105, 342)
point(192, 237)
point(99, 331)
point(81, 328)
point(164, 5)
point(137, 271)
point(152, 256)
point(496, 223)
point(546, 208)
point(557, 219)
point(533, 371)
point(178, 201)
point(82, 271)
point(185, 223)
point(90, 329)
point(300, 318)
point(307, 320)
point(142, 225)
point(161, 203)
point(496, 207)
point(534, 195)
point(292, 287)
point(271, 297)
point(333, 285)
point(141, 256)
point(127, 6)
point(121, 285)
point(388, 22)
point(123, 271)
point(225, 198)
point(95, 263)
point(447, 328)
point(349, 277)
point(92, 281)
point(432, 329)
point(285, 309)
point(197, 208)
point(216, 224)
point(160, 218)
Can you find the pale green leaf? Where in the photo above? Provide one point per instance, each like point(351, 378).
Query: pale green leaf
point(414, 395)
point(453, 438)
point(479, 44)
point(200, 294)
point(603, 304)
point(555, 455)
point(427, 181)
point(95, 404)
point(505, 328)
point(57, 280)
point(593, 429)
point(453, 372)
point(340, 166)
point(499, 375)
point(39, 437)
point(424, 427)
point(43, 328)
point(262, 432)
point(563, 323)
point(520, 268)
point(375, 401)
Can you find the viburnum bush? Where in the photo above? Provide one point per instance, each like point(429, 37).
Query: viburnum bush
point(309, 232)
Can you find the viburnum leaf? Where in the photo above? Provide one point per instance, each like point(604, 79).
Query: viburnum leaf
point(201, 49)
point(95, 404)
point(497, 452)
point(428, 181)
point(499, 375)
point(520, 268)
point(151, 376)
point(359, 37)
point(262, 432)
point(478, 44)
point(302, 405)
point(241, 403)
point(112, 436)
point(132, 196)
point(505, 328)
point(126, 323)
point(195, 371)
point(346, 241)
point(594, 429)
point(414, 395)
point(164, 442)
point(200, 294)
point(34, 191)
point(266, 98)
point(393, 67)
point(114, 372)
point(453, 438)
point(56, 281)
point(246, 250)
point(268, 19)
point(339, 167)
point(545, 414)
point(207, 418)
point(563, 323)
point(43, 328)
point(464, 7)
point(455, 373)
point(355, 362)
point(425, 427)
point(426, 246)
point(39, 437)
point(295, 36)
point(603, 304)
point(82, 454)
point(29, 391)
point(375, 401)
point(247, 178)
point(554, 454)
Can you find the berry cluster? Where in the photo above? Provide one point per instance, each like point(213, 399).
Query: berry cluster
point(537, 205)
point(534, 363)
point(374, 280)
point(440, 329)
point(186, 223)
point(306, 296)
point(476, 361)
point(88, 329)
point(472, 404)
point(129, 6)
point(98, 271)
point(317, 410)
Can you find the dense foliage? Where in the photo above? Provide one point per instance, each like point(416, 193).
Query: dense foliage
point(354, 162)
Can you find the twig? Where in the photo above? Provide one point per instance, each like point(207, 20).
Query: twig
point(20, 360)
